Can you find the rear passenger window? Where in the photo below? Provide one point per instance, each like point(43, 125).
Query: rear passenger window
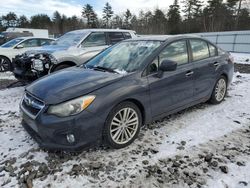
point(199, 49)
point(176, 51)
point(127, 35)
point(115, 37)
point(212, 50)
point(45, 42)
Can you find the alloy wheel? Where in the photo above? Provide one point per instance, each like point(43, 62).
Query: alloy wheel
point(220, 89)
point(124, 125)
point(4, 65)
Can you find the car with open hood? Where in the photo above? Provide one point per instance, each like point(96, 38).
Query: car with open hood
point(73, 48)
point(108, 99)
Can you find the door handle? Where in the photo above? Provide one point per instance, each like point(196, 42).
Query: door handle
point(216, 64)
point(189, 73)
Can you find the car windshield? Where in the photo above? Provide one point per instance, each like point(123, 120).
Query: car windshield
point(11, 43)
point(70, 39)
point(124, 57)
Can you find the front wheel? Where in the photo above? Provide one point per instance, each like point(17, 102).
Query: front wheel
point(219, 91)
point(122, 125)
point(5, 64)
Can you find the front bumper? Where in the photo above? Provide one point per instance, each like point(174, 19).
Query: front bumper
point(50, 131)
point(24, 71)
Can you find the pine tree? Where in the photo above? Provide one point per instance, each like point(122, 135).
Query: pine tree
point(10, 20)
point(174, 18)
point(127, 20)
point(238, 14)
point(1, 25)
point(216, 16)
point(23, 21)
point(40, 21)
point(107, 14)
point(90, 15)
point(117, 22)
point(159, 22)
point(57, 23)
point(192, 15)
point(244, 19)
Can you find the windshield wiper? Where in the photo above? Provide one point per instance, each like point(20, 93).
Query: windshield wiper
point(105, 69)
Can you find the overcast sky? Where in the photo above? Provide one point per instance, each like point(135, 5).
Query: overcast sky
point(74, 7)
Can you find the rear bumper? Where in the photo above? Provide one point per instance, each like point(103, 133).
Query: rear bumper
point(50, 131)
point(230, 73)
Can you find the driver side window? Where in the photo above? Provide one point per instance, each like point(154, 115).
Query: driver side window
point(176, 51)
point(95, 39)
point(30, 43)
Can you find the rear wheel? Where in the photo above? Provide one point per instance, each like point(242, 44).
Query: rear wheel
point(5, 64)
point(60, 67)
point(122, 126)
point(219, 91)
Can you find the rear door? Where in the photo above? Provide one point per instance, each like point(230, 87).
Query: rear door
point(174, 89)
point(205, 60)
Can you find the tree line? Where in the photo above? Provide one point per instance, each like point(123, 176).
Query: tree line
point(194, 16)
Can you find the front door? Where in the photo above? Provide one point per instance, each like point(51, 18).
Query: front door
point(92, 45)
point(174, 89)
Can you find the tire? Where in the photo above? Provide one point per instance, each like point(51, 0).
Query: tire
point(60, 67)
point(219, 91)
point(114, 132)
point(5, 64)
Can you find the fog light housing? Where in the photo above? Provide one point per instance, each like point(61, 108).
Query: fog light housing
point(70, 138)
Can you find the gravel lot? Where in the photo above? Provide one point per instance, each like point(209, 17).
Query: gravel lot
point(203, 146)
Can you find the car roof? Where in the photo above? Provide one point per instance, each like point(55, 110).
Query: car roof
point(162, 37)
point(98, 30)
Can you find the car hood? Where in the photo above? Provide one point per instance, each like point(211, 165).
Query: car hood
point(70, 83)
point(48, 49)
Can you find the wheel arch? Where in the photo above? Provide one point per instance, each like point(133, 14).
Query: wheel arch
point(225, 75)
point(71, 63)
point(5, 57)
point(139, 105)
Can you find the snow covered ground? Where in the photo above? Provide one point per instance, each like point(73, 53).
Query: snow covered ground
point(7, 76)
point(241, 58)
point(203, 146)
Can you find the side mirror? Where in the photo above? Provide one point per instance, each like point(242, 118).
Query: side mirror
point(166, 66)
point(19, 46)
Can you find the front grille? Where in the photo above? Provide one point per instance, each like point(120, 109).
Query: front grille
point(31, 105)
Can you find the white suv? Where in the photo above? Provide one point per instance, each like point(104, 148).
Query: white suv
point(73, 48)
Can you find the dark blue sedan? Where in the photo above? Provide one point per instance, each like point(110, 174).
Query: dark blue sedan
point(109, 98)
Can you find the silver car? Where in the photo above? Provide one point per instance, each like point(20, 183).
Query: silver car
point(73, 48)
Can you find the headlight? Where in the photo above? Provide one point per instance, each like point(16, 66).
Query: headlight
point(71, 107)
point(38, 64)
